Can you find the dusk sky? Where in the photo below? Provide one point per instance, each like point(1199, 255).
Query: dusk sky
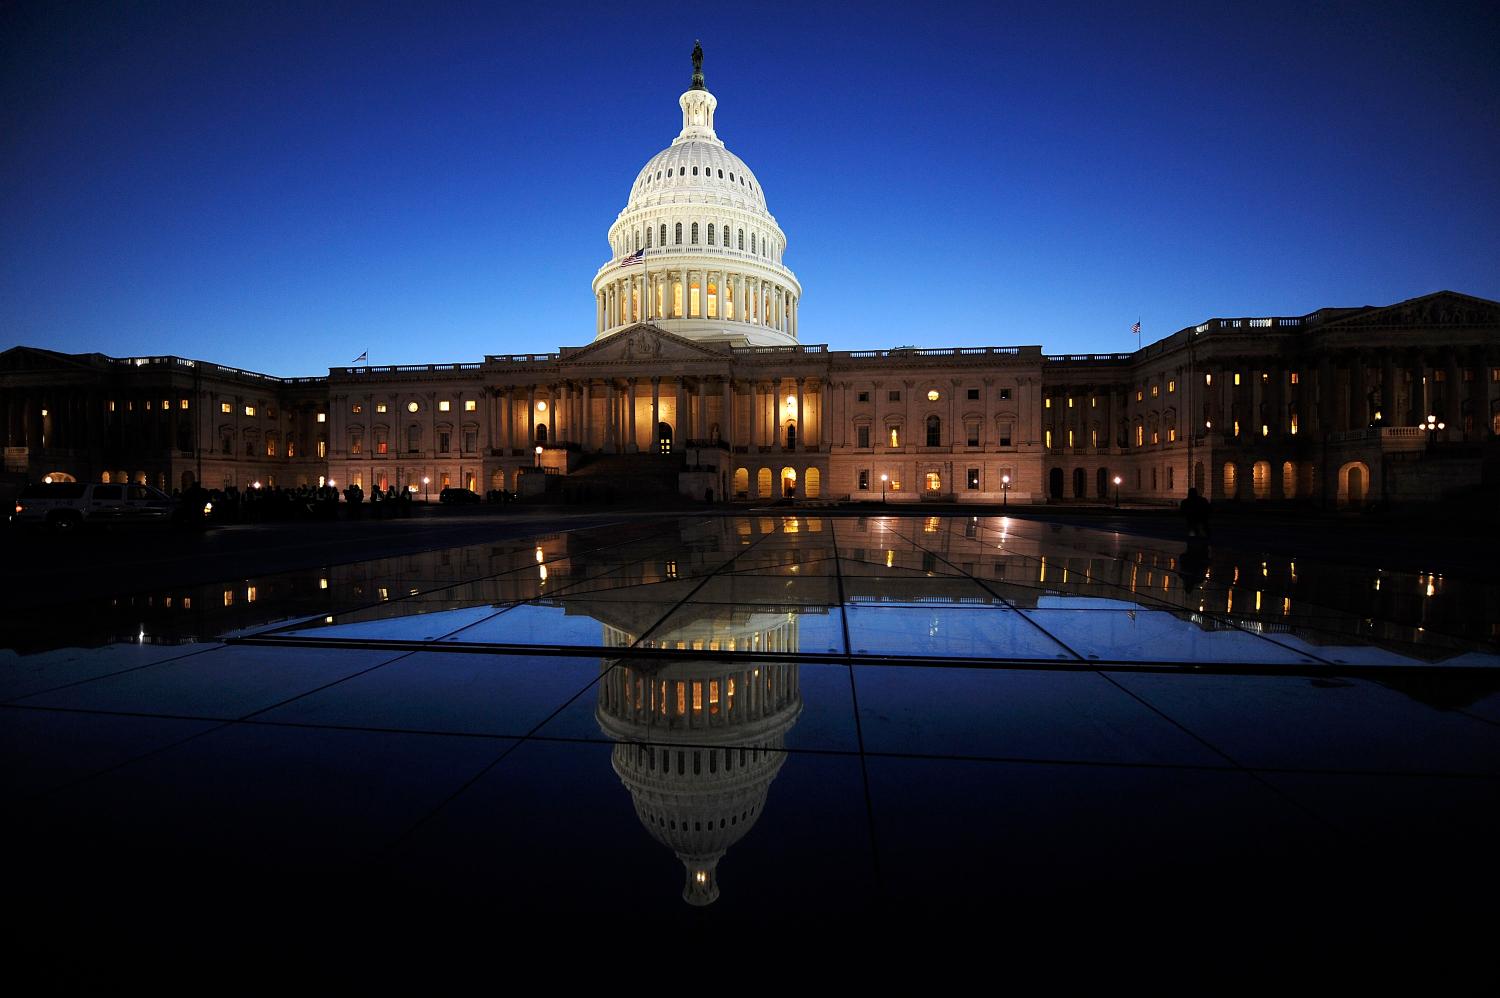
point(283, 186)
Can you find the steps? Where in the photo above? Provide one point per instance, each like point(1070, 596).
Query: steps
point(624, 478)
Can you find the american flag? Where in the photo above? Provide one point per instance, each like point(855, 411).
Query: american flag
point(1137, 327)
point(363, 356)
point(635, 257)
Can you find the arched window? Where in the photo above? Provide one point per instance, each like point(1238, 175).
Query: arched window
point(664, 233)
point(1231, 480)
point(934, 431)
point(695, 171)
point(752, 242)
point(1260, 479)
point(812, 484)
point(710, 233)
point(637, 238)
point(742, 239)
point(682, 171)
point(648, 238)
point(763, 483)
point(721, 174)
point(679, 234)
point(695, 233)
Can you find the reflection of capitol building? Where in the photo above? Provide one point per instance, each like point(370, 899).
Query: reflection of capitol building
point(697, 746)
point(697, 377)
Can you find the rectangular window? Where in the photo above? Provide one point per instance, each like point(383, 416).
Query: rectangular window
point(356, 408)
point(972, 431)
point(356, 443)
point(380, 407)
point(470, 405)
point(182, 403)
point(249, 410)
point(1004, 434)
point(1005, 395)
point(864, 480)
point(1468, 374)
point(1156, 436)
point(862, 436)
point(1236, 377)
point(1048, 438)
point(1140, 436)
point(1155, 391)
point(895, 436)
point(223, 407)
point(1208, 379)
point(1436, 376)
point(443, 441)
point(973, 395)
point(382, 445)
point(322, 448)
point(1236, 427)
point(973, 479)
point(1070, 439)
point(1294, 424)
point(1293, 376)
point(862, 397)
point(1171, 386)
point(112, 405)
point(1047, 403)
point(1171, 434)
point(1070, 402)
point(894, 396)
point(1139, 395)
point(322, 417)
point(1093, 438)
point(471, 441)
point(895, 484)
point(444, 405)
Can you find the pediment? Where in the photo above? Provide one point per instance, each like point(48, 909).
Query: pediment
point(25, 358)
point(1441, 308)
point(643, 343)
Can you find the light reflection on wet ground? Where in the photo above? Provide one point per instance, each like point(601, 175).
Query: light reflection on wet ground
point(804, 700)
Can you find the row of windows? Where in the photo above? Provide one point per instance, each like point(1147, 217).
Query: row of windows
point(933, 395)
point(444, 405)
point(934, 428)
point(718, 235)
point(932, 481)
point(166, 405)
point(414, 441)
point(683, 171)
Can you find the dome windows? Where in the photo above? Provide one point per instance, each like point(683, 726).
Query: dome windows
point(742, 239)
point(710, 234)
point(682, 171)
point(678, 240)
point(721, 174)
point(658, 174)
point(664, 233)
point(731, 176)
point(695, 171)
point(695, 233)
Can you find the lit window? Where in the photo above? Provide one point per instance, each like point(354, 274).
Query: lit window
point(1264, 377)
point(469, 405)
point(182, 403)
point(249, 410)
point(223, 407)
point(1265, 430)
point(1048, 440)
point(1171, 434)
point(1005, 395)
point(1140, 436)
point(322, 448)
point(322, 417)
point(1236, 427)
point(895, 436)
point(1294, 424)
point(356, 408)
point(412, 406)
point(1171, 387)
point(932, 395)
point(1070, 438)
point(380, 407)
point(1155, 390)
point(1047, 404)
point(1156, 436)
point(1208, 379)
point(1294, 377)
point(1139, 395)
point(1070, 403)
point(444, 405)
point(1236, 377)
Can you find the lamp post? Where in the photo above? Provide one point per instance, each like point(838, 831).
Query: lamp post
point(882, 488)
point(1005, 490)
point(538, 455)
point(1117, 492)
point(425, 494)
point(1433, 425)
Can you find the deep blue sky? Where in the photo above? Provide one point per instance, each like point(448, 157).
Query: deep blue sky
point(282, 186)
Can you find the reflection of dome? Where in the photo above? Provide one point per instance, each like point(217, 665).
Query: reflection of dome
point(714, 251)
point(698, 744)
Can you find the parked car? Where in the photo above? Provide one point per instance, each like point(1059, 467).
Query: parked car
point(69, 505)
point(458, 496)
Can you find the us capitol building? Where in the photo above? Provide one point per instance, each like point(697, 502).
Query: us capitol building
point(699, 381)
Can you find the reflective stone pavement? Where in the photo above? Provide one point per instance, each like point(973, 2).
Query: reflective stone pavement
point(706, 716)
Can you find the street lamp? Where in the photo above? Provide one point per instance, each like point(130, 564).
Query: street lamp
point(425, 493)
point(1117, 492)
point(1433, 425)
point(538, 455)
point(882, 488)
point(1005, 490)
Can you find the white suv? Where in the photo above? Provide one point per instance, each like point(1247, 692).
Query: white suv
point(68, 505)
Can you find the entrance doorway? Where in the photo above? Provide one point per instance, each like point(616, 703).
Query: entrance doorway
point(1055, 483)
point(1078, 480)
point(664, 438)
point(789, 483)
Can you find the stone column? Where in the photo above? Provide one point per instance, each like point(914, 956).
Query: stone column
point(702, 422)
point(1453, 395)
point(1325, 395)
point(633, 443)
point(655, 414)
point(726, 417)
point(586, 417)
point(681, 431)
point(1388, 415)
point(552, 393)
point(801, 425)
point(754, 415)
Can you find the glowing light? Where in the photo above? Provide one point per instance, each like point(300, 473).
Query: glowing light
point(791, 401)
point(47, 480)
point(539, 556)
point(322, 583)
point(541, 407)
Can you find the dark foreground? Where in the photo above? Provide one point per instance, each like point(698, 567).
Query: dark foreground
point(1011, 722)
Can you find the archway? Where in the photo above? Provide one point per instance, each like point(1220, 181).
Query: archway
point(933, 482)
point(1231, 480)
point(813, 487)
point(53, 477)
point(541, 433)
point(1101, 482)
point(789, 483)
point(763, 483)
point(1055, 483)
point(1079, 478)
point(664, 438)
point(1289, 480)
point(1354, 484)
point(1260, 479)
point(497, 480)
point(742, 482)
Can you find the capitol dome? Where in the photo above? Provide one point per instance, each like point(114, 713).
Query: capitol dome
point(695, 250)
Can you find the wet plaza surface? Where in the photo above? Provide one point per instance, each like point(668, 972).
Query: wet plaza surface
point(707, 716)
